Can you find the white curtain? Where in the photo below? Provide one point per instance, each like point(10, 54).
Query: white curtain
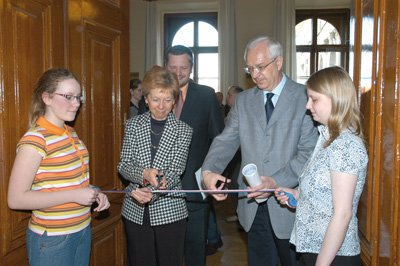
point(152, 45)
point(227, 45)
point(284, 32)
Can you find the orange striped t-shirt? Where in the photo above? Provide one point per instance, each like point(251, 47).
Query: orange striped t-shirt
point(65, 166)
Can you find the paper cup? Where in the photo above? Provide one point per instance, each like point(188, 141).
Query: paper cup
point(251, 174)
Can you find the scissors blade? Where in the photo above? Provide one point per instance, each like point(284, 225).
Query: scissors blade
point(159, 178)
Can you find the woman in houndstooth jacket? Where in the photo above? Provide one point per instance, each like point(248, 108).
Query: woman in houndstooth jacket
point(156, 144)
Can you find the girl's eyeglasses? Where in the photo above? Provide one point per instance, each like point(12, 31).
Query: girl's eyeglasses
point(70, 98)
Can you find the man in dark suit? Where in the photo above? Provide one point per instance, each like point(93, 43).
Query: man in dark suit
point(270, 124)
point(198, 107)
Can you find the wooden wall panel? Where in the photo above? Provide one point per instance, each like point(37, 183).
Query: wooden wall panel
point(102, 81)
point(30, 38)
point(376, 75)
point(104, 250)
point(98, 55)
point(365, 56)
point(88, 37)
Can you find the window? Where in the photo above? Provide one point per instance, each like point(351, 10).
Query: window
point(322, 40)
point(199, 32)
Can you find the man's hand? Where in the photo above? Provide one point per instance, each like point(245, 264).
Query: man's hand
point(210, 179)
point(267, 183)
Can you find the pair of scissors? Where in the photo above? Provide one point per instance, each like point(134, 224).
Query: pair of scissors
point(292, 202)
point(219, 182)
point(159, 178)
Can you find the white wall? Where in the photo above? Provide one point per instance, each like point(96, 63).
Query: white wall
point(321, 4)
point(137, 36)
point(253, 18)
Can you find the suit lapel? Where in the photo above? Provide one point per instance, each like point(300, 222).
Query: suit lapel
point(190, 100)
point(282, 105)
point(145, 140)
point(257, 104)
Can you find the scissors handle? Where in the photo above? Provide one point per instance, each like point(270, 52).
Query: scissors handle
point(292, 202)
point(219, 182)
point(159, 178)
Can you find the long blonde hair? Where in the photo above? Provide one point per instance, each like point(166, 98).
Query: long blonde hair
point(336, 83)
point(47, 82)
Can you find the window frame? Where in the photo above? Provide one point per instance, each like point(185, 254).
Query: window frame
point(174, 21)
point(340, 19)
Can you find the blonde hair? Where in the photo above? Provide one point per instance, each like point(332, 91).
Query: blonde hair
point(48, 83)
point(336, 83)
point(159, 78)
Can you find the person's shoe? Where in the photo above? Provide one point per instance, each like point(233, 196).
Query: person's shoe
point(231, 219)
point(212, 248)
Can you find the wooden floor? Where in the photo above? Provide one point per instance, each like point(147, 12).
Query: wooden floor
point(234, 250)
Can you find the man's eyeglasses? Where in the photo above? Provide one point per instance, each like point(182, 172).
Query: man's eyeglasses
point(250, 70)
point(70, 97)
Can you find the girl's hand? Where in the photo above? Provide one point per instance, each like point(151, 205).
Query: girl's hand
point(102, 201)
point(85, 195)
point(282, 198)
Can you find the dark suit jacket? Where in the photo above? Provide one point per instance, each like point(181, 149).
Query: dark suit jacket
point(202, 112)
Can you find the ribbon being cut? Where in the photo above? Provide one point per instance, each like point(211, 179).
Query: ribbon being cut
point(192, 191)
point(291, 202)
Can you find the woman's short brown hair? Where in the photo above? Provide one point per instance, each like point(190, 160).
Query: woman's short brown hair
point(159, 78)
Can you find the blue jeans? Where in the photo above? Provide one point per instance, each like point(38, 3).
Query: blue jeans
point(65, 250)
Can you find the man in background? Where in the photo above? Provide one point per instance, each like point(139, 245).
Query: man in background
point(220, 98)
point(230, 96)
point(197, 106)
point(232, 171)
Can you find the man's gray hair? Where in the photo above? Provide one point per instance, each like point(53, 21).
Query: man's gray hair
point(274, 47)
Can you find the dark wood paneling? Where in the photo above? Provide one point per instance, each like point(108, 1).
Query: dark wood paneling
point(376, 74)
point(102, 57)
point(89, 37)
point(107, 248)
point(32, 41)
point(98, 55)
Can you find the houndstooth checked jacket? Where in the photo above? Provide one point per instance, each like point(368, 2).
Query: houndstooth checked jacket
point(164, 208)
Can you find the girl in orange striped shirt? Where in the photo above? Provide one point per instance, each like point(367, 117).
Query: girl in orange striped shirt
point(50, 176)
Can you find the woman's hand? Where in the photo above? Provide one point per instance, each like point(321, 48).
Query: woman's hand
point(142, 195)
point(150, 174)
point(162, 184)
point(102, 201)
